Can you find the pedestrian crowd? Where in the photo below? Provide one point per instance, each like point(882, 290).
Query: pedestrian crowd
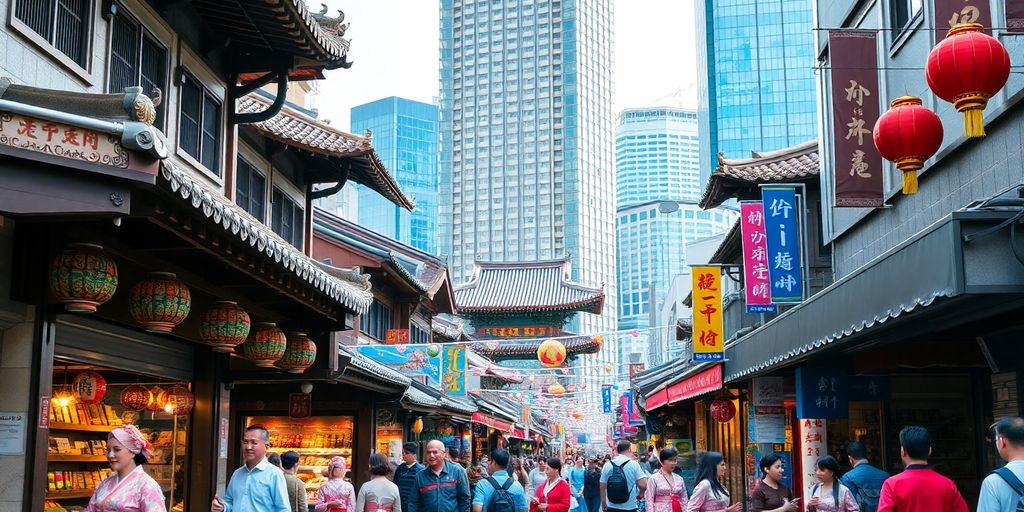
point(620, 483)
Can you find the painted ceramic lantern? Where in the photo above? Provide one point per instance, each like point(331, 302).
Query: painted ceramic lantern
point(136, 397)
point(89, 388)
point(551, 353)
point(723, 410)
point(299, 353)
point(82, 277)
point(178, 401)
point(160, 302)
point(266, 344)
point(224, 326)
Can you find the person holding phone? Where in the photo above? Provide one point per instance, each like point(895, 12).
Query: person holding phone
point(771, 495)
point(554, 495)
point(829, 495)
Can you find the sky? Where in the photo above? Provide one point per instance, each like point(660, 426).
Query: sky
point(395, 53)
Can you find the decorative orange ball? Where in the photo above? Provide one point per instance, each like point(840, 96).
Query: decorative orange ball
point(551, 353)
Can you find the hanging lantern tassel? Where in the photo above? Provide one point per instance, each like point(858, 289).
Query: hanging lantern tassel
point(908, 134)
point(966, 69)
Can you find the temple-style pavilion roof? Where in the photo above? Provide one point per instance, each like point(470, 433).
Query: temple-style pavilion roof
point(353, 156)
point(512, 348)
point(526, 286)
point(732, 178)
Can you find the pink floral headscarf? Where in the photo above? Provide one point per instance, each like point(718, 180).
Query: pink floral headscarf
point(336, 462)
point(132, 439)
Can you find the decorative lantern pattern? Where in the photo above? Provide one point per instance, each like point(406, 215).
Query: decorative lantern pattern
point(160, 302)
point(159, 397)
point(89, 388)
point(224, 326)
point(907, 135)
point(136, 397)
point(966, 69)
point(178, 400)
point(417, 426)
point(556, 389)
point(551, 353)
point(82, 277)
point(723, 410)
point(266, 344)
point(299, 353)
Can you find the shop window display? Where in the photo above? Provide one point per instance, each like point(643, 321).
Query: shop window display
point(85, 407)
point(315, 439)
point(389, 434)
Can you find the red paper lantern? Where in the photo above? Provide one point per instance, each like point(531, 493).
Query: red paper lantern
point(723, 410)
point(89, 388)
point(299, 354)
point(266, 344)
point(178, 401)
point(907, 135)
point(159, 396)
point(160, 302)
point(224, 326)
point(966, 69)
point(136, 397)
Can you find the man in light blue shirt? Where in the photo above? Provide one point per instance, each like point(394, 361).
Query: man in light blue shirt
point(636, 479)
point(997, 491)
point(498, 469)
point(258, 486)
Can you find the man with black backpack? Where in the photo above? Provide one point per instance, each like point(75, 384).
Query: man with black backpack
point(499, 492)
point(622, 480)
point(1002, 491)
point(864, 481)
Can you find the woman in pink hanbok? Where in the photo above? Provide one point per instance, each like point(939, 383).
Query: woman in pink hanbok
point(666, 491)
point(829, 495)
point(336, 495)
point(129, 489)
point(709, 495)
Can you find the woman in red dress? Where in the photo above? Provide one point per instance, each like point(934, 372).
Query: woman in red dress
point(555, 494)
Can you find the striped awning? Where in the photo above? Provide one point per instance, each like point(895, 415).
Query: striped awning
point(526, 286)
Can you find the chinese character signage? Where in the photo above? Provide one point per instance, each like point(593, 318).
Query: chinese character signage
point(757, 281)
point(635, 368)
point(767, 410)
point(300, 405)
point(411, 361)
point(606, 398)
point(813, 444)
point(538, 331)
point(954, 12)
point(822, 393)
point(783, 241)
point(1014, 15)
point(624, 409)
point(634, 413)
point(704, 382)
point(857, 164)
point(707, 314)
point(397, 337)
point(455, 370)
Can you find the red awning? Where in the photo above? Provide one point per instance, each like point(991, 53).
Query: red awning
point(492, 422)
point(704, 382)
point(519, 433)
point(658, 399)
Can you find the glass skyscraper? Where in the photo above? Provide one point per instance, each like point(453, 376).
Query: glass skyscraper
point(756, 77)
point(405, 137)
point(526, 142)
point(657, 190)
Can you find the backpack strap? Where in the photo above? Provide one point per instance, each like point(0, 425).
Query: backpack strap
point(1011, 479)
point(493, 482)
point(507, 485)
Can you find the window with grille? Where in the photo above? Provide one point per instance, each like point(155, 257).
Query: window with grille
point(137, 59)
point(376, 321)
point(65, 24)
point(251, 190)
point(286, 218)
point(199, 125)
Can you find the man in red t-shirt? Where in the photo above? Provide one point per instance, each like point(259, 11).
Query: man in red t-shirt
point(919, 488)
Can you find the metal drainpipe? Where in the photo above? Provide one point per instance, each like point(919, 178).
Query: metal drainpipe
point(272, 110)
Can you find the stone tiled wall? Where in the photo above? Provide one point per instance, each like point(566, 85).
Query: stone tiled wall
point(973, 171)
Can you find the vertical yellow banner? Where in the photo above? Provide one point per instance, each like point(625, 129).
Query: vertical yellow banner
point(707, 314)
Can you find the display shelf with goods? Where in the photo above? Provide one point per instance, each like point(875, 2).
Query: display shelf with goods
point(78, 432)
point(390, 434)
point(316, 439)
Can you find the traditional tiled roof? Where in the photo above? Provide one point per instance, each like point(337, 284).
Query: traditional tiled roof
point(421, 396)
point(789, 165)
point(519, 349)
point(281, 27)
point(480, 365)
point(368, 366)
point(347, 286)
point(307, 134)
point(526, 286)
point(449, 329)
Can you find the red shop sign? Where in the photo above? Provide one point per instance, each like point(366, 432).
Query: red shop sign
point(300, 405)
point(492, 422)
point(704, 382)
point(658, 399)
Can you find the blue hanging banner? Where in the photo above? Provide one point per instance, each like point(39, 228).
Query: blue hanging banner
point(822, 393)
point(606, 398)
point(783, 235)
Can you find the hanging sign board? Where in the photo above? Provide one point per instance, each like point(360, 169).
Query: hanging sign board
point(757, 281)
point(708, 328)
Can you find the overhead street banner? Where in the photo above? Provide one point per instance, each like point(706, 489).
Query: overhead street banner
point(856, 162)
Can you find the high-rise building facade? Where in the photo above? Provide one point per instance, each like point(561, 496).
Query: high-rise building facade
point(756, 77)
point(405, 136)
point(657, 156)
point(526, 142)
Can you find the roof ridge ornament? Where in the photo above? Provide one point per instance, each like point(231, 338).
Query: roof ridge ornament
point(333, 26)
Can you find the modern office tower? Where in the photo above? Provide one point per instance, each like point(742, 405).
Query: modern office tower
point(657, 156)
point(756, 77)
point(526, 140)
point(404, 133)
